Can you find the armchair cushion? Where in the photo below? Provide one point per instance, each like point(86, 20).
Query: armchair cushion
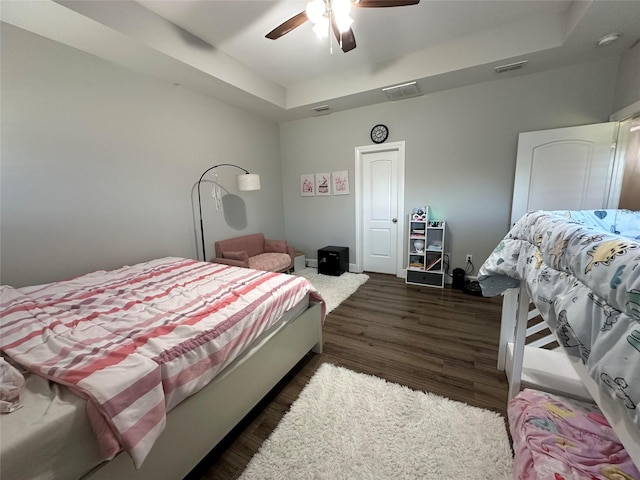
point(275, 246)
point(252, 244)
point(271, 262)
point(242, 255)
point(228, 261)
point(261, 254)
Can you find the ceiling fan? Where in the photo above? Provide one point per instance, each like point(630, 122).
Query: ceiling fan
point(335, 13)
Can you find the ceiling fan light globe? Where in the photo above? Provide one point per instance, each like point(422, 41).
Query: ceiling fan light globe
point(341, 8)
point(321, 28)
point(315, 10)
point(344, 23)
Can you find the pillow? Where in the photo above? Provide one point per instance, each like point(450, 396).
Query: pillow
point(275, 246)
point(242, 255)
point(11, 387)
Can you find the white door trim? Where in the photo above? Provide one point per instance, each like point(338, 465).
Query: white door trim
point(626, 113)
point(360, 151)
point(617, 173)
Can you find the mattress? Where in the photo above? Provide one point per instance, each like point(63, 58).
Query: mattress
point(190, 319)
point(50, 437)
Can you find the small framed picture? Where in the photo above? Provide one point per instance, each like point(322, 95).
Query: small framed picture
point(323, 184)
point(307, 185)
point(340, 182)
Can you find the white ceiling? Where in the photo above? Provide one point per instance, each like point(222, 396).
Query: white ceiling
point(238, 28)
point(218, 47)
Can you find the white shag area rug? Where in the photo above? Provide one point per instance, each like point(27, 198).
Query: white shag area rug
point(334, 290)
point(347, 425)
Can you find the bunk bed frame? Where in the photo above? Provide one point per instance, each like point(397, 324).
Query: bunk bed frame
point(531, 365)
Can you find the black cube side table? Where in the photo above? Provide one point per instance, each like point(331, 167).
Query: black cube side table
point(333, 260)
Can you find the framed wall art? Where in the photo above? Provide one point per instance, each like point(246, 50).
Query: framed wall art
point(307, 185)
point(340, 182)
point(323, 184)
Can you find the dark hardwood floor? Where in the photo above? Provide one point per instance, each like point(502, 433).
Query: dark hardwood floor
point(437, 340)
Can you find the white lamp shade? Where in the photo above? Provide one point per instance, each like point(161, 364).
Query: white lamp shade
point(248, 181)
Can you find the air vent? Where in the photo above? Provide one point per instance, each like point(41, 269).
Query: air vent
point(399, 92)
point(510, 66)
point(321, 108)
point(608, 39)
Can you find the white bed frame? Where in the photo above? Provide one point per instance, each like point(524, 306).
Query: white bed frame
point(198, 423)
point(532, 366)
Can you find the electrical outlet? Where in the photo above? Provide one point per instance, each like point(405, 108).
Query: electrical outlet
point(469, 258)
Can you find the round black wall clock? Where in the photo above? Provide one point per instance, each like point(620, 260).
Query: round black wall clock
point(379, 133)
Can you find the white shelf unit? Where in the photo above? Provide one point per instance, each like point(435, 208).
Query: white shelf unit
point(425, 264)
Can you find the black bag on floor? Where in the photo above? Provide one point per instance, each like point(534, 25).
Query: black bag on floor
point(458, 279)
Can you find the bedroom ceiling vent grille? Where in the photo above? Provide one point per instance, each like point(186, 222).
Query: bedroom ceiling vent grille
point(510, 66)
point(399, 92)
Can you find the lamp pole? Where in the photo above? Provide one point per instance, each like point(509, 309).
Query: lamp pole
point(204, 254)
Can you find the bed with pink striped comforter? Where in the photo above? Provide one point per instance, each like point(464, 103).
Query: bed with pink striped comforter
point(138, 340)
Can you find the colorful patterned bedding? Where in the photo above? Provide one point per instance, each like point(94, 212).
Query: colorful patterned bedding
point(582, 271)
point(138, 340)
point(561, 439)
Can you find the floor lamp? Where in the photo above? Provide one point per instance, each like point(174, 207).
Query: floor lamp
point(244, 182)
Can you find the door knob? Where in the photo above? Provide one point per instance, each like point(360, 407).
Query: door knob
point(395, 220)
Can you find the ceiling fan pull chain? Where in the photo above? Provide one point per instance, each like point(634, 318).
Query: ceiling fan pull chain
point(329, 27)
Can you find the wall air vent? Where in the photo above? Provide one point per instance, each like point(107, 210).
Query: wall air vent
point(399, 92)
point(321, 108)
point(510, 66)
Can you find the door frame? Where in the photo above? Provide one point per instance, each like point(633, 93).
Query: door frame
point(359, 153)
point(624, 116)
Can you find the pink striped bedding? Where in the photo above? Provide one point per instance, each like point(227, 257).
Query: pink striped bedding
point(138, 340)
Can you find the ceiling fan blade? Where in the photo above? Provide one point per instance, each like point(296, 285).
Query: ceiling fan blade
point(286, 27)
point(348, 39)
point(383, 3)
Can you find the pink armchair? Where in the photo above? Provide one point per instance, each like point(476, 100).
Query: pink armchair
point(254, 251)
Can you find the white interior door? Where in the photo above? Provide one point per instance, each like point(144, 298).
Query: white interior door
point(566, 168)
point(380, 193)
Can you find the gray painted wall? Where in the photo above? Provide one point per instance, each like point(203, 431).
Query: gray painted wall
point(628, 79)
point(98, 164)
point(460, 153)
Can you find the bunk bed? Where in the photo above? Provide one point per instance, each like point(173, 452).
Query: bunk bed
point(139, 372)
point(578, 271)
